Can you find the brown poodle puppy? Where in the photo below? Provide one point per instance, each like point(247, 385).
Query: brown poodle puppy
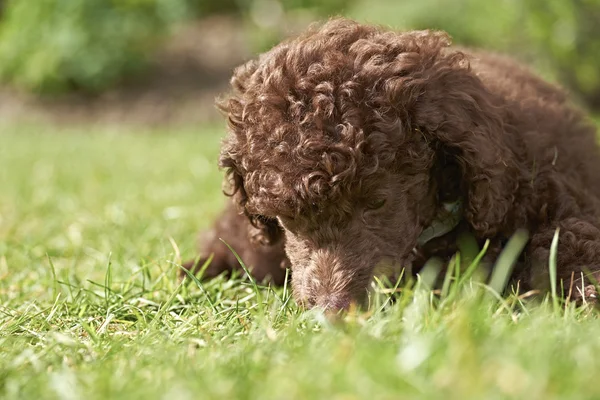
point(351, 146)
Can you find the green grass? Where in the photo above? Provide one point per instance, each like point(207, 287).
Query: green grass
point(93, 223)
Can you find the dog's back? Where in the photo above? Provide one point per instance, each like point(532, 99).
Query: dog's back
point(558, 136)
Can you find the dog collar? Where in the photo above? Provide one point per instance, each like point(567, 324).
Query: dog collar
point(447, 218)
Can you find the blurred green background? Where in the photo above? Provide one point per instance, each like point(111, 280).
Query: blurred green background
point(110, 53)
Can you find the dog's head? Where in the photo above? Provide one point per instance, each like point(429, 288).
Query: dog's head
point(341, 138)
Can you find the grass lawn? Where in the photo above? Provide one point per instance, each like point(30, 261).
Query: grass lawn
point(93, 223)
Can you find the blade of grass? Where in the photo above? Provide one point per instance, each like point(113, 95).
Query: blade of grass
point(108, 281)
point(474, 264)
point(506, 261)
point(552, 268)
point(449, 275)
point(285, 296)
point(194, 279)
point(468, 247)
point(464, 277)
point(247, 271)
point(162, 310)
point(394, 289)
point(55, 288)
point(430, 272)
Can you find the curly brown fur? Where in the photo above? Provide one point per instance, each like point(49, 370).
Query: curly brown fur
point(347, 140)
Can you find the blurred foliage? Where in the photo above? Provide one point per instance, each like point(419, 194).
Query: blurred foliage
point(561, 38)
point(568, 32)
point(277, 19)
point(58, 45)
point(318, 7)
point(50, 46)
point(89, 45)
point(205, 7)
point(266, 22)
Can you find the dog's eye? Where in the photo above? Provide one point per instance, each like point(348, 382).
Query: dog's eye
point(376, 204)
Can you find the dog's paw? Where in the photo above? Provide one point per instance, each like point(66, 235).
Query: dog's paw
point(582, 294)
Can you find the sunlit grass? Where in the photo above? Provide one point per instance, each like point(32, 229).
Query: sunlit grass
point(93, 226)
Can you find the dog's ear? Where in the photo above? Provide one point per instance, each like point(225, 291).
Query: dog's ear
point(437, 95)
point(262, 230)
point(455, 110)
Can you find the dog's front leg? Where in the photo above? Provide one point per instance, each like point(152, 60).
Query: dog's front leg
point(232, 230)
